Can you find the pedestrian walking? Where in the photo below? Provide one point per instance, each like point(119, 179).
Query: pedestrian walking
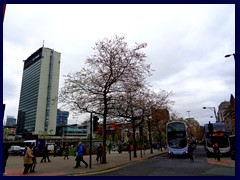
point(5, 156)
point(55, 150)
point(120, 149)
point(34, 159)
point(61, 150)
point(27, 160)
point(190, 151)
point(45, 154)
point(109, 148)
point(79, 155)
point(66, 150)
point(145, 147)
point(216, 151)
point(99, 153)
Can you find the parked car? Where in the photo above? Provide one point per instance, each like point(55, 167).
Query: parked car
point(15, 150)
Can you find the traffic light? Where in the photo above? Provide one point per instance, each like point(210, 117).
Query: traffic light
point(95, 123)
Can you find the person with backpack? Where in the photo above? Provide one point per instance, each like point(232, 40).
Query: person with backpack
point(79, 154)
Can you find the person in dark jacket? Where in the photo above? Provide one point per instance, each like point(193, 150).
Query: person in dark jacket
point(66, 150)
point(99, 153)
point(216, 151)
point(45, 154)
point(109, 148)
point(34, 159)
point(79, 155)
point(190, 151)
point(120, 149)
point(5, 156)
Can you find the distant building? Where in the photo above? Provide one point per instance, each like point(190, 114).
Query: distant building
point(229, 115)
point(11, 121)
point(72, 130)
point(62, 117)
point(37, 111)
point(222, 108)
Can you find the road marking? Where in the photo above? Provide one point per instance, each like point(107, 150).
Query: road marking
point(98, 172)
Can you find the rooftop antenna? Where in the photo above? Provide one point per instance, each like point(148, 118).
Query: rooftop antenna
point(188, 114)
point(43, 44)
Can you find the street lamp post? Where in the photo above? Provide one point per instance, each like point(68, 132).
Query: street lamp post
point(91, 130)
point(228, 55)
point(214, 110)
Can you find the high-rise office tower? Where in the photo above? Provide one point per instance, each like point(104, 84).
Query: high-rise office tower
point(39, 91)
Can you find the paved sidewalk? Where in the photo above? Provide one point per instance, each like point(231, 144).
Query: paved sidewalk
point(225, 161)
point(60, 167)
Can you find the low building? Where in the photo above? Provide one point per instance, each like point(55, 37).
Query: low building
point(72, 130)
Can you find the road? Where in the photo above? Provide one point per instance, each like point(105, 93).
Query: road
point(149, 164)
point(179, 166)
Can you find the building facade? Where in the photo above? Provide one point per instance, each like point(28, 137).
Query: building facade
point(72, 130)
point(222, 109)
point(11, 121)
point(229, 116)
point(39, 91)
point(62, 117)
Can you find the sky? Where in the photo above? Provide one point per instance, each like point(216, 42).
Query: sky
point(186, 47)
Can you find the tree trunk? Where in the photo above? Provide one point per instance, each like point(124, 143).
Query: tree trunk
point(104, 158)
point(134, 143)
point(150, 137)
point(160, 140)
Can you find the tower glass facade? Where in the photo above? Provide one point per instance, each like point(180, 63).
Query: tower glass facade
point(62, 117)
point(38, 98)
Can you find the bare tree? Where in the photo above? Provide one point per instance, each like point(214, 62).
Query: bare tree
point(137, 104)
point(155, 104)
point(112, 66)
point(130, 105)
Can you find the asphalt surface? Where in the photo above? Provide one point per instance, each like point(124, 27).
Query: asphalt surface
point(60, 167)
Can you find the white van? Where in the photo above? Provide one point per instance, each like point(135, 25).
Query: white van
point(40, 145)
